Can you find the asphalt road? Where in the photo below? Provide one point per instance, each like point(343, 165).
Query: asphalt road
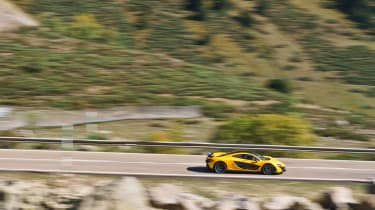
point(174, 165)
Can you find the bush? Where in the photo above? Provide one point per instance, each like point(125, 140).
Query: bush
point(360, 11)
point(263, 6)
point(221, 4)
point(95, 136)
point(195, 6)
point(342, 134)
point(244, 18)
point(174, 133)
point(265, 129)
point(280, 85)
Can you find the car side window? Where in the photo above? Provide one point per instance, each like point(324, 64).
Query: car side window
point(239, 156)
point(251, 157)
point(245, 156)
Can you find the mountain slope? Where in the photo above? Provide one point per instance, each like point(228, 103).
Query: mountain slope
point(104, 53)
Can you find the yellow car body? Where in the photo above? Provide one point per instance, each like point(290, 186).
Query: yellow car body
point(220, 162)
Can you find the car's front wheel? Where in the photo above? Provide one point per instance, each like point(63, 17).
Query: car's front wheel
point(220, 167)
point(268, 169)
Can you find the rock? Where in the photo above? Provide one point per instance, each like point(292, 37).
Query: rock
point(285, 202)
point(368, 203)
point(129, 193)
point(125, 194)
point(237, 202)
point(165, 196)
point(171, 197)
point(371, 187)
point(195, 202)
point(337, 198)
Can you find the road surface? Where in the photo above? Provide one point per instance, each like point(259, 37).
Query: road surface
point(139, 164)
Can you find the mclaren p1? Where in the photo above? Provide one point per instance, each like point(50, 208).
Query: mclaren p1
point(220, 162)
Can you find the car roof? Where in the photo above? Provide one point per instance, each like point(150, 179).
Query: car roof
point(238, 152)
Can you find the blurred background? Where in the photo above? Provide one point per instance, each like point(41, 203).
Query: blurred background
point(290, 72)
point(190, 70)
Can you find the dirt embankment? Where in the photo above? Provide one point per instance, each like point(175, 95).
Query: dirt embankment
point(12, 18)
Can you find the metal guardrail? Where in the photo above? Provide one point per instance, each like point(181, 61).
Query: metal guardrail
point(187, 145)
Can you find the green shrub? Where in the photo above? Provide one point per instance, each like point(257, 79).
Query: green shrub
point(197, 7)
point(280, 85)
point(244, 18)
point(263, 7)
point(361, 11)
point(265, 129)
point(95, 136)
point(342, 133)
point(305, 78)
point(221, 4)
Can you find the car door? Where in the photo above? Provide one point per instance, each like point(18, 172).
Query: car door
point(245, 162)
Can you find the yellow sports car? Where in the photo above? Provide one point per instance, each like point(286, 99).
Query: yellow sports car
point(220, 162)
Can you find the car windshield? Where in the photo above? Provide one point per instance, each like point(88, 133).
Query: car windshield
point(260, 156)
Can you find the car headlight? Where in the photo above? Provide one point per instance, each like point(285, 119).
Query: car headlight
point(279, 165)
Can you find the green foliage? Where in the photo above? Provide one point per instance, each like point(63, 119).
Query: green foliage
point(174, 133)
point(221, 4)
point(280, 85)
point(263, 7)
point(362, 121)
point(342, 133)
point(355, 64)
point(215, 109)
point(244, 18)
point(85, 26)
point(96, 136)
point(197, 7)
point(265, 129)
point(361, 11)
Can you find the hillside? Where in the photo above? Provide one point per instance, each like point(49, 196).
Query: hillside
point(220, 54)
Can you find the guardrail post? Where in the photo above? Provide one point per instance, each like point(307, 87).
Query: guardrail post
point(67, 145)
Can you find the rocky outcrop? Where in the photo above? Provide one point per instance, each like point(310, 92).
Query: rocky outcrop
point(12, 18)
point(237, 202)
point(128, 193)
point(368, 203)
point(285, 202)
point(337, 198)
point(171, 197)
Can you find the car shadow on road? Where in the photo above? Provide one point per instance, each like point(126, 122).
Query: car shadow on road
point(203, 169)
point(200, 169)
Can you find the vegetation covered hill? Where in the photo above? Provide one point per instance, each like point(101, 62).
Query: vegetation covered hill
point(213, 53)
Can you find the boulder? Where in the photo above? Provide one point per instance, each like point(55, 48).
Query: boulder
point(165, 196)
point(129, 194)
point(125, 194)
point(286, 202)
point(237, 202)
point(195, 202)
point(367, 203)
point(171, 197)
point(337, 198)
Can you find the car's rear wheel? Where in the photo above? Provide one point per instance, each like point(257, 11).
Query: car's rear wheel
point(220, 167)
point(268, 169)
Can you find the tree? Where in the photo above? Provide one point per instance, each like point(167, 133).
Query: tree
point(265, 129)
point(360, 11)
point(263, 6)
point(280, 85)
point(197, 8)
point(221, 4)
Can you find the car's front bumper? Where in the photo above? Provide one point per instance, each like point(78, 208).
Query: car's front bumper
point(280, 169)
